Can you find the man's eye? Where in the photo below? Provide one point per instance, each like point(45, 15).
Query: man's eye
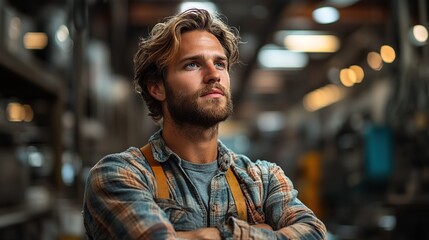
point(220, 65)
point(190, 65)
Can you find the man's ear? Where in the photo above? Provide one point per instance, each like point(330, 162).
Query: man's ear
point(156, 90)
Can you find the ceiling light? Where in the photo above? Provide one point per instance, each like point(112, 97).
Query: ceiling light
point(312, 43)
point(278, 58)
point(326, 15)
point(28, 113)
point(16, 112)
point(358, 70)
point(351, 76)
point(35, 40)
point(347, 77)
point(387, 54)
point(374, 61)
point(62, 33)
point(419, 35)
point(209, 6)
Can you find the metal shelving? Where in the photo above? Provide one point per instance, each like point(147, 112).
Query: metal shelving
point(29, 81)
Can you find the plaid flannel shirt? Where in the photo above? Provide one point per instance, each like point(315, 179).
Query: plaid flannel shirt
point(120, 199)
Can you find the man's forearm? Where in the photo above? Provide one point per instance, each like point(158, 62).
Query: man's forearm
point(263, 226)
point(243, 230)
point(200, 234)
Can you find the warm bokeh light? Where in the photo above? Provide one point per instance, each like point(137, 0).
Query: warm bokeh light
point(358, 72)
point(35, 40)
point(28, 113)
point(16, 112)
point(322, 97)
point(347, 77)
point(387, 54)
point(375, 61)
point(312, 43)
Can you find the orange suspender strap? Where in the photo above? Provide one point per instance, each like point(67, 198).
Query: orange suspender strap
point(160, 179)
point(237, 194)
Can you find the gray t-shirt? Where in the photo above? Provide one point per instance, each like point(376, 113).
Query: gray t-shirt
point(201, 176)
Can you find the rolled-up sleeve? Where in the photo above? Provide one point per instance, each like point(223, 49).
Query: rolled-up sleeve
point(118, 203)
point(284, 212)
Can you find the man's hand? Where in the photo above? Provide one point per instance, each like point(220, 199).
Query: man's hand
point(200, 234)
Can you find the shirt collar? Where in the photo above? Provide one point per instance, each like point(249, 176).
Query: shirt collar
point(162, 153)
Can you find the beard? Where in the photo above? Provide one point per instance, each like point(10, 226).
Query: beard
point(185, 109)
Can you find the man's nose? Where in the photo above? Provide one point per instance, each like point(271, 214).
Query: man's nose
point(212, 74)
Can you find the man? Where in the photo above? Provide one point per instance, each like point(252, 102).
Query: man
point(182, 71)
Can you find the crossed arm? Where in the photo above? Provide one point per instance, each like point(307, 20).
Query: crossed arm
point(211, 233)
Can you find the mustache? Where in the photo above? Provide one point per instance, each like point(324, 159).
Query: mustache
point(216, 85)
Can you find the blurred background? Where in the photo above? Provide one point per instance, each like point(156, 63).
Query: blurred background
point(335, 92)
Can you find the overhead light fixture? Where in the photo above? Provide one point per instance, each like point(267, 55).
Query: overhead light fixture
point(207, 5)
point(279, 58)
point(352, 75)
point(374, 61)
point(312, 43)
point(62, 33)
point(35, 40)
point(308, 41)
point(347, 77)
point(358, 70)
point(419, 35)
point(326, 15)
point(17, 112)
point(387, 54)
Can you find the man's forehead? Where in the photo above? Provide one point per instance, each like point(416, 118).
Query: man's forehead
point(199, 44)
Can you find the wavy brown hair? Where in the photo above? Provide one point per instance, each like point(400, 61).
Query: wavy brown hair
point(161, 46)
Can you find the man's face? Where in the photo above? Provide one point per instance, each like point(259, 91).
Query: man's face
point(197, 85)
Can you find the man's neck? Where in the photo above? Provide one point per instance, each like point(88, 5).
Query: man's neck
point(192, 143)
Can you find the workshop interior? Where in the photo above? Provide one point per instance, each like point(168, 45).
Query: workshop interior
point(335, 92)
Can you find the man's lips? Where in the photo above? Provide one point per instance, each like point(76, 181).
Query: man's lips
point(213, 92)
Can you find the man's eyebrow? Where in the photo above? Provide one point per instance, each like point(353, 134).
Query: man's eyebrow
point(201, 56)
